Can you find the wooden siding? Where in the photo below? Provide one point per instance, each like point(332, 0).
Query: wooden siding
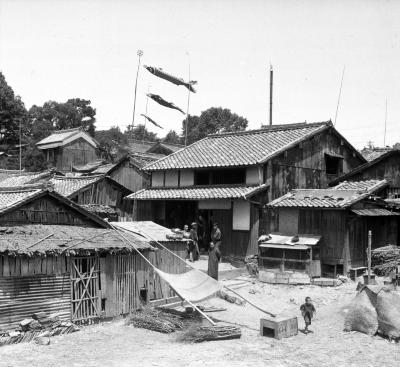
point(131, 177)
point(303, 166)
point(45, 210)
point(77, 153)
point(105, 193)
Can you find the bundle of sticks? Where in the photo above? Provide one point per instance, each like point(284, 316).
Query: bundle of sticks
point(155, 320)
point(207, 333)
point(385, 260)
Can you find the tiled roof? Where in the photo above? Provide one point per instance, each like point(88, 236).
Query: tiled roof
point(98, 208)
point(23, 178)
point(148, 229)
point(14, 196)
point(67, 186)
point(371, 154)
point(336, 197)
point(61, 137)
point(374, 212)
point(67, 239)
point(139, 146)
point(361, 185)
point(197, 193)
point(104, 169)
point(88, 167)
point(239, 148)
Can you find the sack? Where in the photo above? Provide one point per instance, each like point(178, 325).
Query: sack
point(388, 309)
point(361, 315)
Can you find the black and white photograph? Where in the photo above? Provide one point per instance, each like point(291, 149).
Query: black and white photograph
point(199, 183)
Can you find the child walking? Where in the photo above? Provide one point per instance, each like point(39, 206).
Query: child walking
point(307, 311)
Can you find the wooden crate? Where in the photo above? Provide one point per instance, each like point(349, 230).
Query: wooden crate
point(278, 327)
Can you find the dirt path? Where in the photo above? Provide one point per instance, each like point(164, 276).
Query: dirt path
point(114, 344)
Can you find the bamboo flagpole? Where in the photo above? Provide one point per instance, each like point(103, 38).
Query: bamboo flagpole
point(188, 103)
point(140, 54)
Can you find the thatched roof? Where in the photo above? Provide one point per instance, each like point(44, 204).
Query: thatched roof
point(38, 239)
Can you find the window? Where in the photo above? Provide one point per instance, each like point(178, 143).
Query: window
point(229, 176)
point(333, 164)
point(202, 178)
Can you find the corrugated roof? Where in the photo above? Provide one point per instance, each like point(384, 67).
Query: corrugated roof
point(24, 178)
point(66, 239)
point(67, 186)
point(375, 212)
point(239, 148)
point(148, 229)
point(197, 193)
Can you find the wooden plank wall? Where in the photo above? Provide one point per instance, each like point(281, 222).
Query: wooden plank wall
point(78, 152)
point(44, 210)
point(131, 177)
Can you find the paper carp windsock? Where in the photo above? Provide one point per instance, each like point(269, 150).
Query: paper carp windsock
point(173, 79)
point(163, 102)
point(151, 120)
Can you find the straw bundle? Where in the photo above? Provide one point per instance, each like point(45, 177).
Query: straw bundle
point(207, 333)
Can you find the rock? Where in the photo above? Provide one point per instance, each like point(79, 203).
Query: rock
point(42, 340)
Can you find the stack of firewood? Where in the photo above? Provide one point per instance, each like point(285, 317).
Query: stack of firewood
point(155, 320)
point(385, 260)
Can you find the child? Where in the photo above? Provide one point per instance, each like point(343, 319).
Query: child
point(307, 311)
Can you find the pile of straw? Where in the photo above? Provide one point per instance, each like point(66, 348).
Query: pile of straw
point(385, 260)
point(200, 334)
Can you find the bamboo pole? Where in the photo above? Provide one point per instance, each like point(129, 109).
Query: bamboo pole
point(369, 255)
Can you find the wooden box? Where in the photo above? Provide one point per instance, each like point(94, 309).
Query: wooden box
point(278, 327)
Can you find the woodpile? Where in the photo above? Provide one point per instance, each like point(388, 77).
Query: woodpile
point(155, 320)
point(37, 328)
point(208, 333)
point(385, 260)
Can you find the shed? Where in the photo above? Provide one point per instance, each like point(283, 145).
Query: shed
point(162, 258)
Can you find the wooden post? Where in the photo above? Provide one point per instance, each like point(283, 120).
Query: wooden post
point(369, 255)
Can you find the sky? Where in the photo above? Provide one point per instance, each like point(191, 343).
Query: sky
point(56, 50)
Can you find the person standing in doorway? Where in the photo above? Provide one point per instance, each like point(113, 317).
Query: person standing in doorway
point(186, 237)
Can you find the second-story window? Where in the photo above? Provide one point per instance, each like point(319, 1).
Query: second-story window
point(227, 176)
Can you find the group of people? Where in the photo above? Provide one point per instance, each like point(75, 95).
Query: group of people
point(214, 251)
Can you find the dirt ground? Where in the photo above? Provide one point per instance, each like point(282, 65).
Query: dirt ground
point(115, 344)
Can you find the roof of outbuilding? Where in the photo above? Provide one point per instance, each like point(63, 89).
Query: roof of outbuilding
point(369, 185)
point(56, 239)
point(23, 178)
point(148, 229)
point(67, 186)
point(13, 196)
point(335, 197)
point(365, 166)
point(371, 154)
point(198, 192)
point(62, 137)
point(239, 148)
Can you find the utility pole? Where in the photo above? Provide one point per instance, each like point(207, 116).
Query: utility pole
point(369, 255)
point(271, 82)
point(140, 54)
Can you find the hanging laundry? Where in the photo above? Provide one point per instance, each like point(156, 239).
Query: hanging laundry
point(173, 79)
point(151, 120)
point(163, 102)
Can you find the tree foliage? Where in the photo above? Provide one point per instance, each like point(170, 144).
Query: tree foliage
point(212, 121)
point(12, 114)
point(76, 112)
point(112, 143)
point(172, 137)
point(139, 132)
point(33, 159)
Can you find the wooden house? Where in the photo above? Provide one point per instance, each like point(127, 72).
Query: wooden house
point(227, 178)
point(342, 217)
point(382, 165)
point(96, 189)
point(65, 149)
point(58, 258)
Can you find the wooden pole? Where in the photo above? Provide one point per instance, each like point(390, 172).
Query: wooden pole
point(271, 82)
point(369, 255)
point(140, 54)
point(340, 93)
point(188, 104)
point(384, 134)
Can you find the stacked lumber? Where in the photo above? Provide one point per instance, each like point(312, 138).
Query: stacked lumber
point(385, 260)
point(36, 328)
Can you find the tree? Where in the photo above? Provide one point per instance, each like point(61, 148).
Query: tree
point(172, 137)
point(112, 143)
point(33, 159)
point(12, 114)
point(140, 132)
point(76, 112)
point(212, 121)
